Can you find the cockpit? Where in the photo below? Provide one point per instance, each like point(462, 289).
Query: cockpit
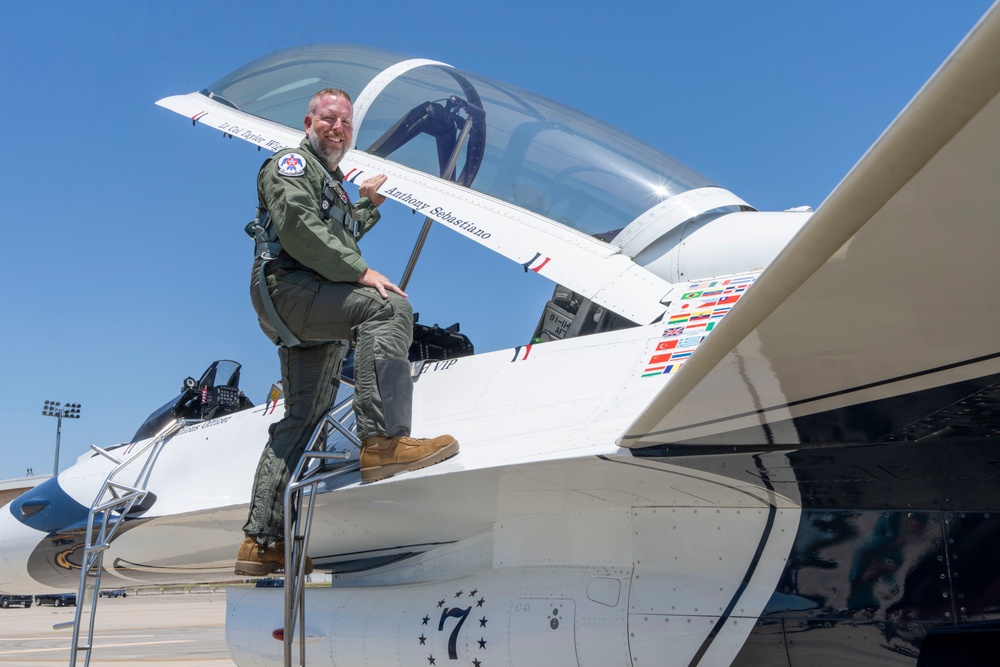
point(216, 393)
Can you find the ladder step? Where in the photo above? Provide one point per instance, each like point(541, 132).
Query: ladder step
point(114, 505)
point(106, 454)
point(128, 488)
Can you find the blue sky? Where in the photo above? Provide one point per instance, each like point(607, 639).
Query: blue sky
point(127, 267)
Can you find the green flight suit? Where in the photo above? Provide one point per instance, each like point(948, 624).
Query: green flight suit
point(312, 286)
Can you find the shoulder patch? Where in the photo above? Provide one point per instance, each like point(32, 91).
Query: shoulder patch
point(291, 164)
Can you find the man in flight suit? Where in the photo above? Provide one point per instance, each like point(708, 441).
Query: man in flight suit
point(323, 291)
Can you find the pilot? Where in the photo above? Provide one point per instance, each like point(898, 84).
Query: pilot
point(321, 291)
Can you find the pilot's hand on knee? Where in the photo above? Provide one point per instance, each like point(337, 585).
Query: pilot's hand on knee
point(372, 278)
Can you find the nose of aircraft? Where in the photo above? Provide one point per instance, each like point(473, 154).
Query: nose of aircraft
point(26, 526)
point(17, 542)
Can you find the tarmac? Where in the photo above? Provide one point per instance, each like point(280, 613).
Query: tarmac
point(182, 629)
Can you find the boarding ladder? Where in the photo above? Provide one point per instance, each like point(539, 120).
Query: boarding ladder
point(110, 508)
point(315, 467)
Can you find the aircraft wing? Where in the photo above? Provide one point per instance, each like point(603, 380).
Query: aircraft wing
point(579, 261)
point(892, 289)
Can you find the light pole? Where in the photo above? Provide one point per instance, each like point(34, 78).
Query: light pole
point(59, 411)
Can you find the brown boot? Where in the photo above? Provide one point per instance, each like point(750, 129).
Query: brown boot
point(382, 456)
point(253, 560)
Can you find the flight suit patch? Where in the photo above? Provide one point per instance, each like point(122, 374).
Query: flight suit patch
point(292, 164)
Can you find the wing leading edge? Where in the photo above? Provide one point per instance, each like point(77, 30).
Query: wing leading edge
point(889, 289)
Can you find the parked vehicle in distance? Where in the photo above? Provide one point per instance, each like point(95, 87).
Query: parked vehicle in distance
point(270, 583)
point(14, 601)
point(56, 599)
point(112, 593)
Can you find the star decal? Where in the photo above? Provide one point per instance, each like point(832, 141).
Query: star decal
point(480, 601)
point(425, 619)
point(476, 663)
point(482, 622)
point(430, 659)
point(423, 640)
point(441, 603)
point(482, 642)
point(459, 594)
point(472, 593)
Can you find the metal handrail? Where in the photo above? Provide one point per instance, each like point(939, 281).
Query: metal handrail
point(312, 469)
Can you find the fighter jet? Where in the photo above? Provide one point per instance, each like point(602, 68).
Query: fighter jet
point(735, 437)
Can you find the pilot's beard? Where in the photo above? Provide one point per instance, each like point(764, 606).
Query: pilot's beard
point(331, 156)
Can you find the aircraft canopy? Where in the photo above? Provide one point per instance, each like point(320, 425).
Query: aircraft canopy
point(517, 146)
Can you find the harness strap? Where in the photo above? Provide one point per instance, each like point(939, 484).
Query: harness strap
point(285, 335)
point(268, 247)
point(332, 188)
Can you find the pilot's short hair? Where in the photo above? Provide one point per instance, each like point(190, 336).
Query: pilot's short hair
point(332, 92)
